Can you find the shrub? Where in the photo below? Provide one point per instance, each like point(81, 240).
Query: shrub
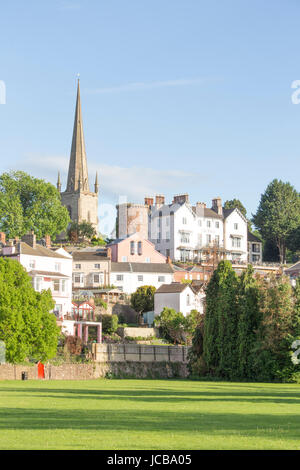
point(110, 323)
point(73, 345)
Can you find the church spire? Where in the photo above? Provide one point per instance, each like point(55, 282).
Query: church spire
point(78, 164)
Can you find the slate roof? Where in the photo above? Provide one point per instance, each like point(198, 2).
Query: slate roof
point(174, 288)
point(24, 249)
point(89, 256)
point(253, 238)
point(47, 273)
point(125, 267)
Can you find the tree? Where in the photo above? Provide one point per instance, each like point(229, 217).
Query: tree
point(248, 321)
point(278, 214)
point(236, 204)
point(143, 299)
point(171, 325)
point(221, 317)
point(83, 230)
point(28, 203)
point(26, 326)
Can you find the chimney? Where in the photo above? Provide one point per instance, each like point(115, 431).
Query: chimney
point(30, 239)
point(200, 206)
point(47, 241)
point(159, 200)
point(108, 253)
point(149, 201)
point(181, 199)
point(2, 238)
point(217, 205)
point(169, 261)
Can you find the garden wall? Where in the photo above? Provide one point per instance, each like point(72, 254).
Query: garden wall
point(97, 370)
point(138, 353)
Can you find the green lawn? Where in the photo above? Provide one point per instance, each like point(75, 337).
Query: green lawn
point(148, 414)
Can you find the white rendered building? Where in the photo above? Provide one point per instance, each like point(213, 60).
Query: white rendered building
point(180, 297)
point(185, 232)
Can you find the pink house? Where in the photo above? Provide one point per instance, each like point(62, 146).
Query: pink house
point(135, 249)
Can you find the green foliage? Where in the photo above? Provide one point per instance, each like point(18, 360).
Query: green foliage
point(235, 204)
point(28, 203)
point(100, 303)
point(110, 323)
point(278, 214)
point(249, 326)
point(175, 327)
point(83, 230)
point(26, 326)
point(98, 241)
point(220, 346)
point(143, 299)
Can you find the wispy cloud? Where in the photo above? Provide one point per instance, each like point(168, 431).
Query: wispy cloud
point(137, 86)
point(69, 6)
point(116, 182)
point(133, 182)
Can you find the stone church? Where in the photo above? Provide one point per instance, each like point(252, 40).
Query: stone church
point(81, 203)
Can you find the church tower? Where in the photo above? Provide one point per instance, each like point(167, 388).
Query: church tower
point(81, 203)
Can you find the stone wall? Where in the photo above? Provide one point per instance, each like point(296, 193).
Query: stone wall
point(98, 370)
point(138, 353)
point(137, 332)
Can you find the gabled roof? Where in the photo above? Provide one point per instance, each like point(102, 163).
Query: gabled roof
point(39, 250)
point(174, 288)
point(253, 238)
point(159, 268)
point(89, 256)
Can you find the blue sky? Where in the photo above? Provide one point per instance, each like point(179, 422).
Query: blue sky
point(178, 95)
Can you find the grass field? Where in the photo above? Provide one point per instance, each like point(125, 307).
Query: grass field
point(148, 414)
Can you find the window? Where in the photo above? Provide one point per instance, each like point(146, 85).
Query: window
point(37, 283)
point(217, 224)
point(185, 237)
point(140, 248)
point(32, 263)
point(167, 252)
point(255, 258)
point(188, 300)
point(255, 248)
point(217, 239)
point(77, 266)
point(97, 266)
point(120, 277)
point(57, 309)
point(132, 248)
point(236, 242)
point(208, 223)
point(147, 260)
point(57, 267)
point(124, 259)
point(184, 221)
point(63, 285)
point(78, 278)
point(236, 226)
point(167, 221)
point(208, 239)
point(161, 278)
point(167, 236)
point(140, 278)
point(96, 278)
point(56, 285)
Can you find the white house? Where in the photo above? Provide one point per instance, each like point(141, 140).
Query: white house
point(127, 277)
point(181, 297)
point(49, 269)
point(185, 232)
